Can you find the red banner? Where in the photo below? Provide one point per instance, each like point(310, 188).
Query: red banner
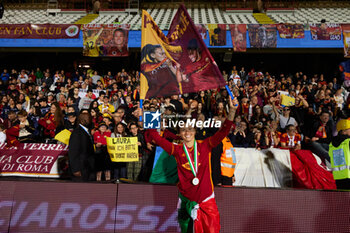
point(91, 207)
point(325, 31)
point(106, 40)
point(291, 31)
point(239, 37)
point(31, 159)
point(39, 31)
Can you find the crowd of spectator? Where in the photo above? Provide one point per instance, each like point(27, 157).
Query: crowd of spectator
point(35, 105)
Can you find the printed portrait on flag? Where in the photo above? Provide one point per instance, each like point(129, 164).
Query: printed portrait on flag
point(162, 77)
point(346, 38)
point(202, 30)
point(325, 31)
point(239, 37)
point(105, 40)
point(262, 36)
point(177, 63)
point(291, 31)
point(217, 34)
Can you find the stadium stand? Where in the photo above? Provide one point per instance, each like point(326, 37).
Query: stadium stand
point(163, 16)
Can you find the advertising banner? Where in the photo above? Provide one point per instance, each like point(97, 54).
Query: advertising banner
point(39, 31)
point(291, 31)
point(31, 159)
point(239, 37)
point(262, 35)
point(91, 207)
point(105, 40)
point(325, 31)
point(177, 63)
point(123, 149)
point(217, 34)
point(346, 38)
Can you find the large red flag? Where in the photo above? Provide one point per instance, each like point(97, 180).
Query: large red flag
point(177, 63)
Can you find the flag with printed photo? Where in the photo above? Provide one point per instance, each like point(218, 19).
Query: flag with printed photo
point(177, 63)
point(262, 35)
point(217, 34)
point(239, 37)
point(105, 40)
point(346, 38)
point(325, 31)
point(291, 30)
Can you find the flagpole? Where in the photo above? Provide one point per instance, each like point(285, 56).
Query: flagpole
point(141, 105)
point(230, 93)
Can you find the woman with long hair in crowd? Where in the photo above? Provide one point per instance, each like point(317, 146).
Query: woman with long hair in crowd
point(97, 117)
point(258, 116)
point(52, 122)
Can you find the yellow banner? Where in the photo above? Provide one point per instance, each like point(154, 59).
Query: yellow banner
point(123, 149)
point(287, 100)
point(63, 136)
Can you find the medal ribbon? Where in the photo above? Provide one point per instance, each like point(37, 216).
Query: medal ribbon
point(194, 167)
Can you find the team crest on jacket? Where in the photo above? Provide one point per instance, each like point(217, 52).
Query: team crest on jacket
point(187, 166)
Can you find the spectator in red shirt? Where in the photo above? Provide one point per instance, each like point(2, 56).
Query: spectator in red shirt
point(291, 139)
point(102, 158)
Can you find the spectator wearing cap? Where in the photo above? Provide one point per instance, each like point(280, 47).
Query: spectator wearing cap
point(85, 102)
point(71, 122)
point(340, 155)
point(102, 160)
point(106, 108)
